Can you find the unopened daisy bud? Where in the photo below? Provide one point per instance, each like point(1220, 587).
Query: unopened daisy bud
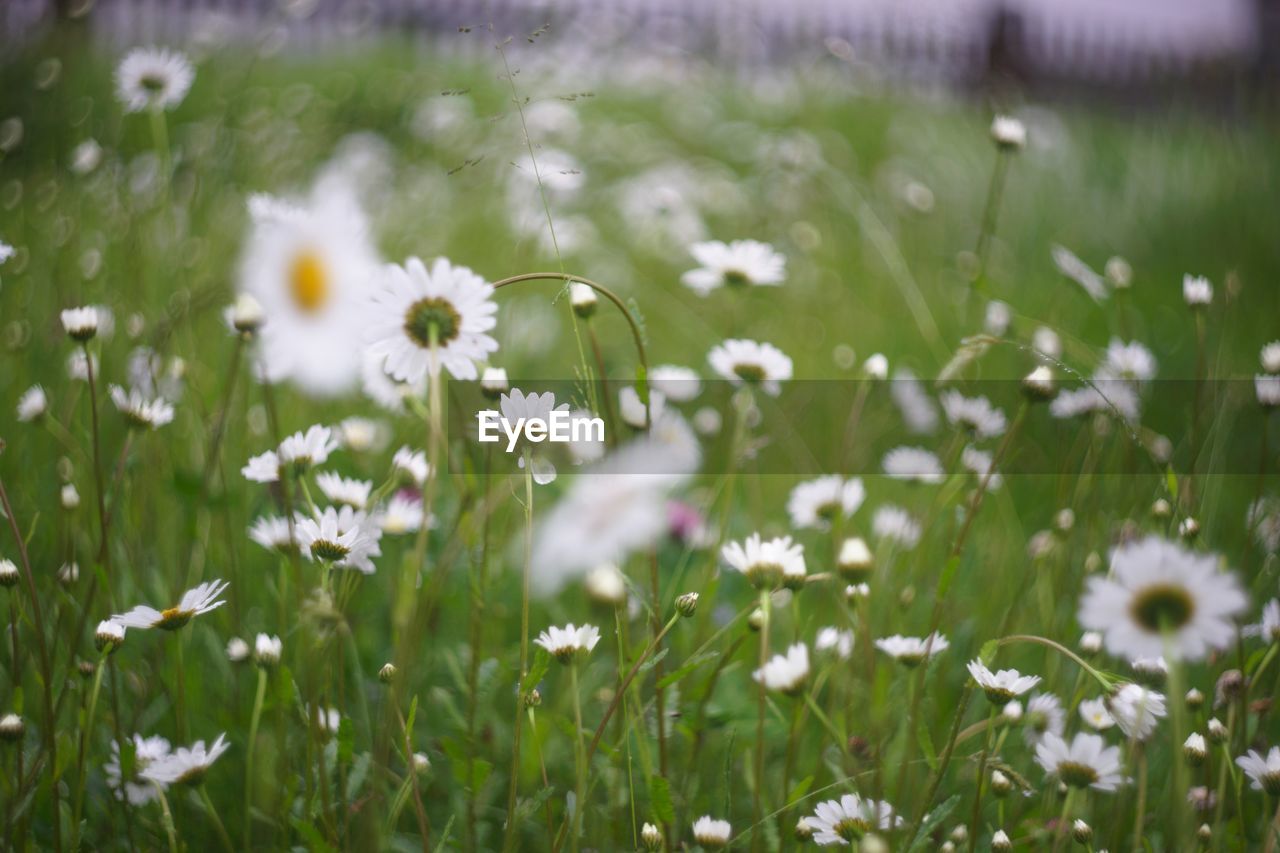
point(711, 833)
point(1161, 508)
point(1008, 133)
point(583, 299)
point(70, 497)
point(1064, 520)
point(109, 636)
point(1204, 833)
point(687, 604)
point(856, 591)
point(947, 847)
point(421, 763)
point(8, 573)
point(1270, 357)
point(1081, 832)
point(1188, 528)
point(1000, 784)
point(86, 668)
point(81, 324)
point(1000, 842)
point(1039, 385)
point(493, 382)
point(1217, 731)
point(1195, 750)
point(651, 837)
point(32, 404)
point(1012, 711)
point(876, 367)
point(855, 561)
point(69, 573)
point(1091, 642)
point(387, 674)
point(804, 830)
point(267, 651)
point(960, 834)
point(11, 727)
point(1195, 699)
point(533, 698)
point(237, 650)
point(1230, 686)
point(1197, 292)
point(246, 314)
point(756, 620)
point(1118, 272)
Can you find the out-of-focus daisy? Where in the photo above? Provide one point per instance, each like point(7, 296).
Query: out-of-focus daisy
point(153, 78)
point(767, 564)
point(517, 406)
point(711, 833)
point(981, 464)
point(785, 673)
point(745, 362)
point(267, 650)
point(854, 560)
point(913, 463)
point(237, 650)
point(742, 263)
point(1079, 272)
point(1161, 594)
point(1095, 714)
point(308, 266)
point(1269, 357)
point(86, 156)
point(565, 643)
point(362, 434)
point(1150, 670)
point(1196, 291)
point(896, 525)
point(194, 602)
point(494, 381)
point(343, 538)
point(1044, 715)
point(1263, 771)
point(108, 635)
point(1131, 361)
point(1268, 628)
point(633, 411)
point(78, 365)
point(975, 414)
point(186, 765)
point(412, 463)
point(912, 651)
point(139, 411)
point(1119, 272)
point(816, 503)
point(304, 450)
point(80, 324)
point(1267, 387)
point(1087, 762)
point(1008, 132)
point(402, 514)
point(913, 402)
point(69, 496)
point(605, 584)
point(6, 251)
point(1137, 710)
point(424, 320)
point(69, 573)
point(678, 384)
point(1001, 686)
point(138, 789)
point(846, 820)
point(1046, 341)
point(344, 490)
point(32, 404)
point(835, 640)
point(388, 393)
point(997, 318)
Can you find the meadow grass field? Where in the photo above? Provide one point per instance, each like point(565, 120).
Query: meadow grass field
point(1077, 484)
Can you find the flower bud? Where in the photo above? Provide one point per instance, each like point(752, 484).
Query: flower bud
point(1039, 386)
point(583, 299)
point(756, 620)
point(267, 651)
point(1000, 842)
point(1194, 699)
point(1009, 134)
point(8, 573)
point(109, 636)
point(1204, 833)
point(960, 834)
point(237, 650)
point(533, 698)
point(876, 367)
point(651, 837)
point(1217, 731)
point(421, 763)
point(855, 561)
point(1161, 508)
point(1188, 528)
point(246, 314)
point(11, 727)
point(1000, 784)
point(1091, 642)
point(687, 604)
point(70, 497)
point(1195, 750)
point(493, 382)
point(1081, 832)
point(804, 831)
point(387, 674)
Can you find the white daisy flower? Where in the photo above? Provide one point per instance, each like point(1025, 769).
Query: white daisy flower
point(1105, 396)
point(1047, 342)
point(343, 538)
point(411, 463)
point(1196, 290)
point(308, 267)
point(78, 366)
point(32, 404)
point(81, 324)
point(402, 514)
point(854, 560)
point(237, 650)
point(846, 820)
point(1008, 132)
point(1268, 628)
point(328, 720)
point(975, 414)
point(186, 765)
point(678, 384)
point(1001, 686)
point(1267, 387)
point(153, 78)
point(913, 402)
point(785, 673)
point(816, 503)
point(1095, 714)
point(632, 409)
point(1131, 361)
point(267, 650)
point(69, 496)
point(1269, 357)
point(1263, 771)
point(138, 789)
point(344, 490)
point(362, 434)
point(263, 468)
point(494, 381)
point(425, 320)
point(1079, 272)
point(1159, 594)
point(981, 464)
point(897, 525)
point(1137, 710)
point(766, 564)
point(388, 393)
point(1087, 762)
point(108, 634)
point(711, 833)
point(139, 411)
point(1119, 272)
point(913, 463)
point(751, 363)
point(304, 450)
point(1044, 715)
point(564, 643)
point(836, 640)
point(86, 156)
point(742, 263)
point(194, 602)
point(912, 651)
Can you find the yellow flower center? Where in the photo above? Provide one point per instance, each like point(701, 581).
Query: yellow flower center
point(308, 282)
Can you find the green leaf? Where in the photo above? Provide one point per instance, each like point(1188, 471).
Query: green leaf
point(932, 821)
point(653, 661)
point(988, 651)
point(541, 662)
point(801, 788)
point(660, 799)
point(346, 740)
point(948, 575)
point(687, 667)
point(926, 744)
point(314, 838)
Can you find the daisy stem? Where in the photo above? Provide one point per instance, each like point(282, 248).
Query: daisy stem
point(1273, 830)
point(160, 137)
point(1222, 773)
point(1059, 831)
point(180, 701)
point(1140, 813)
point(836, 735)
point(990, 212)
point(1197, 398)
point(1181, 782)
point(514, 782)
point(248, 773)
point(97, 451)
point(579, 757)
point(167, 819)
point(217, 821)
point(765, 600)
point(943, 761)
point(85, 732)
point(981, 776)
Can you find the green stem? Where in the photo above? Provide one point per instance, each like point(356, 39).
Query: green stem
point(761, 694)
point(85, 734)
point(976, 819)
point(513, 786)
point(579, 758)
point(248, 773)
point(167, 819)
point(217, 821)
